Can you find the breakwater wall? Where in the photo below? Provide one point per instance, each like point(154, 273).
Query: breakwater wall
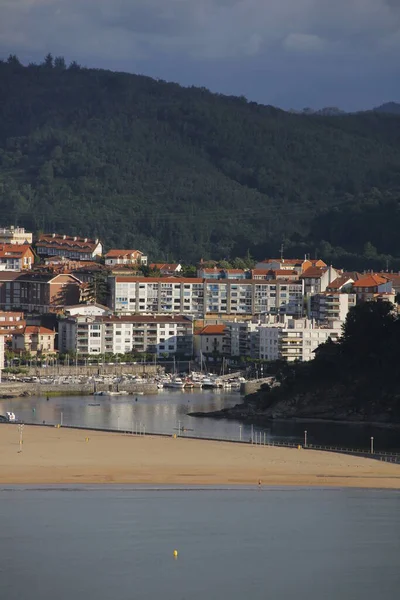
point(15, 390)
point(252, 386)
point(92, 370)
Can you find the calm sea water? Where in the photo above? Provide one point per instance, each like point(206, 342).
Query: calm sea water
point(167, 411)
point(117, 544)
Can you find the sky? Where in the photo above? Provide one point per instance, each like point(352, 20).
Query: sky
point(288, 53)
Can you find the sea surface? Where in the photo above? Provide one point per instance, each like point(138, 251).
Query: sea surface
point(167, 412)
point(278, 544)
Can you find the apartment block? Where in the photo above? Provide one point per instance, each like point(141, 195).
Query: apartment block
point(15, 235)
point(40, 293)
point(160, 335)
point(330, 305)
point(204, 297)
point(11, 321)
point(294, 339)
point(242, 339)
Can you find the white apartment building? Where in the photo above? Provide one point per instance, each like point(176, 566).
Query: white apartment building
point(161, 335)
point(15, 235)
point(87, 310)
point(201, 297)
point(294, 339)
point(241, 339)
point(330, 305)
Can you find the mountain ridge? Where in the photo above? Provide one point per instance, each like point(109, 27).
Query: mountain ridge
point(183, 173)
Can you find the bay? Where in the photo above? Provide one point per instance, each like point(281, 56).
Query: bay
point(117, 543)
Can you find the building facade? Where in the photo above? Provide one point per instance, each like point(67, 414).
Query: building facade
point(34, 340)
point(330, 305)
point(294, 339)
point(38, 292)
point(74, 248)
point(160, 335)
point(15, 235)
point(204, 297)
point(11, 321)
point(125, 257)
point(16, 257)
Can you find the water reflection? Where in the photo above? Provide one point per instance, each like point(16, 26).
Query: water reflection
point(168, 410)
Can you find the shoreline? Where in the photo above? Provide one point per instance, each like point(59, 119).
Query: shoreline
point(62, 456)
point(262, 420)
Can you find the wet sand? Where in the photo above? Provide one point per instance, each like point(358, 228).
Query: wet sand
point(56, 456)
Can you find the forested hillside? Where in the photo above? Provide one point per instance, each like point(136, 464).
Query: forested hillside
point(182, 173)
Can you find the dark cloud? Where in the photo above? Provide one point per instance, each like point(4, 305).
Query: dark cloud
point(204, 41)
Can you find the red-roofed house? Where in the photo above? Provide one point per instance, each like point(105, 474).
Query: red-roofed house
point(166, 268)
point(16, 257)
point(125, 257)
point(210, 341)
point(343, 283)
point(76, 248)
point(372, 287)
point(34, 340)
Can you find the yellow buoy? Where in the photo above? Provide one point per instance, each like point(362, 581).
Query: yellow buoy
point(175, 553)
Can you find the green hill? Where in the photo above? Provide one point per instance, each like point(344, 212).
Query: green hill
point(183, 173)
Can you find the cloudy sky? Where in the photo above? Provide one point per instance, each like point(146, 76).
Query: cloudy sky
point(290, 53)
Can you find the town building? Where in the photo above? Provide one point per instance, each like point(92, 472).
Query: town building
point(317, 279)
point(330, 305)
point(241, 339)
point(125, 257)
point(202, 297)
point(87, 310)
point(15, 235)
point(72, 247)
point(159, 335)
point(166, 269)
point(11, 321)
point(16, 257)
point(288, 264)
point(210, 342)
point(372, 287)
point(294, 339)
point(41, 293)
point(34, 340)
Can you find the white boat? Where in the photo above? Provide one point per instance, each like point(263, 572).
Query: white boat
point(175, 383)
point(160, 386)
point(11, 418)
point(209, 383)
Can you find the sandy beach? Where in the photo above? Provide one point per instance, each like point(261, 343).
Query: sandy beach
point(56, 456)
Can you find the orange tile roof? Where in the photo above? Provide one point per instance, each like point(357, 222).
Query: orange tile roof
point(14, 250)
point(78, 244)
point(115, 253)
point(339, 282)
point(164, 266)
point(35, 329)
point(314, 272)
point(213, 330)
point(370, 280)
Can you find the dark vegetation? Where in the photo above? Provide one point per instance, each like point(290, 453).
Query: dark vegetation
point(356, 378)
point(181, 173)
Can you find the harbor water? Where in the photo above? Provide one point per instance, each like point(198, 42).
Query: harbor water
point(292, 544)
point(168, 412)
